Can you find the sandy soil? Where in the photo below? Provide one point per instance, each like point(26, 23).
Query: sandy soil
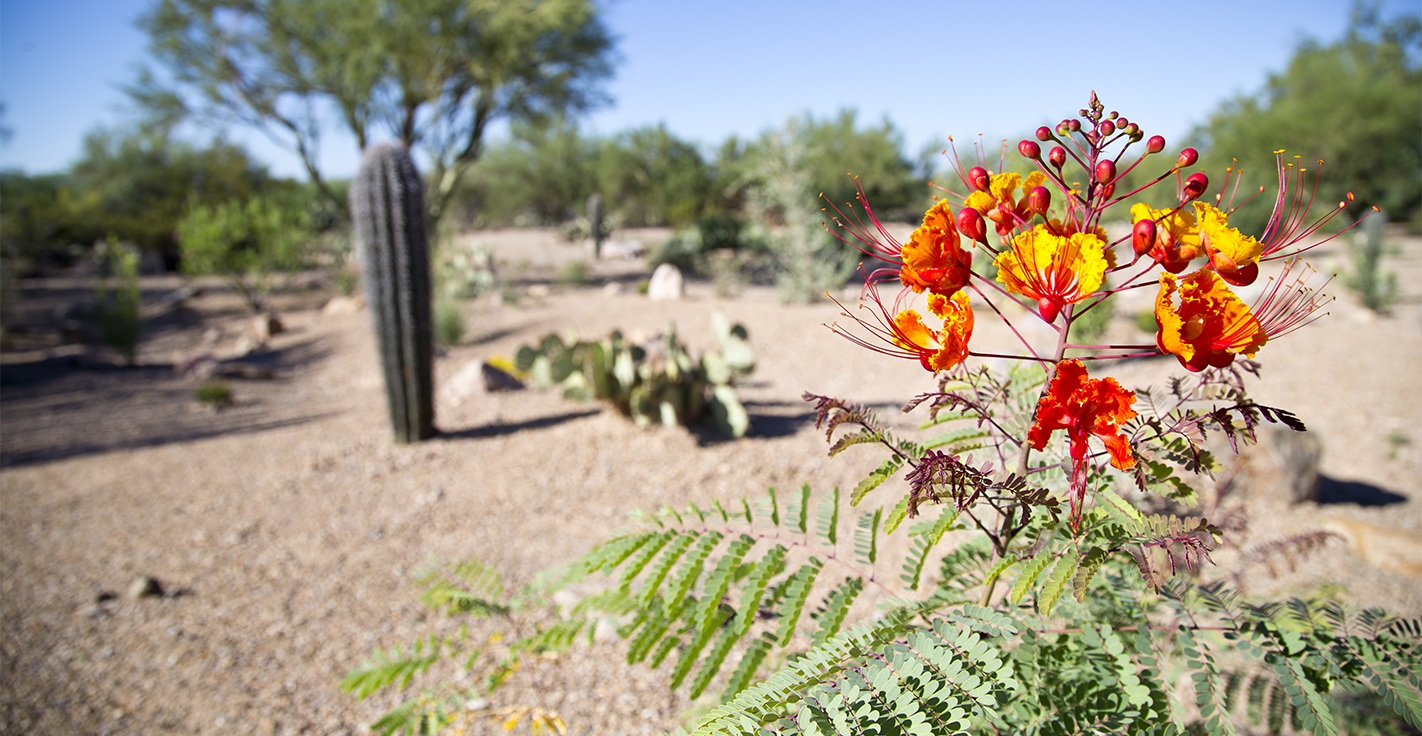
point(287, 529)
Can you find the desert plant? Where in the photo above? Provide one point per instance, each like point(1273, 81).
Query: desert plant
point(808, 261)
point(654, 382)
point(1058, 606)
point(244, 242)
point(448, 322)
point(217, 394)
point(572, 273)
point(387, 205)
point(1377, 289)
point(118, 306)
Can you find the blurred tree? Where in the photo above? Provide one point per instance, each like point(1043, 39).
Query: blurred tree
point(1355, 104)
point(836, 146)
point(432, 73)
point(542, 174)
point(651, 177)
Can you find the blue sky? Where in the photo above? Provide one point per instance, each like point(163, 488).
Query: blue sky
point(710, 70)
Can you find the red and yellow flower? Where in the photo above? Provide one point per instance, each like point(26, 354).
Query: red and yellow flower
point(1233, 255)
point(1177, 235)
point(1084, 407)
point(1209, 326)
point(1000, 203)
point(933, 260)
point(902, 333)
point(1051, 269)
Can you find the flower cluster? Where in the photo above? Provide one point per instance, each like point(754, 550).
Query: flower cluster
point(1054, 260)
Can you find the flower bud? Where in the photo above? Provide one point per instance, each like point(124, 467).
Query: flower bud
point(1049, 309)
point(1156, 144)
point(1108, 190)
point(978, 178)
point(1030, 150)
point(1107, 127)
point(1105, 171)
point(971, 225)
point(1196, 184)
point(1122, 123)
point(1188, 157)
point(1074, 125)
point(1044, 134)
point(1242, 276)
point(1133, 130)
point(1057, 156)
point(1039, 199)
point(1143, 237)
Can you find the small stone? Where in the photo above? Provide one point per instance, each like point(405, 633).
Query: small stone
point(666, 284)
point(245, 345)
point(1390, 548)
point(539, 291)
point(144, 587)
point(201, 366)
point(498, 379)
point(612, 288)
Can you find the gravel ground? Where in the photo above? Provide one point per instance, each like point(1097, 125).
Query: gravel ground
point(286, 529)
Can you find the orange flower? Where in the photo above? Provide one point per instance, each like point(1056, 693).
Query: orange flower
point(1233, 255)
point(932, 259)
point(1084, 407)
point(1051, 269)
point(904, 334)
point(1210, 326)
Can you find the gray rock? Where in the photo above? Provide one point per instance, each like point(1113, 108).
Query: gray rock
point(1297, 455)
point(666, 284)
point(263, 326)
point(144, 587)
point(498, 379)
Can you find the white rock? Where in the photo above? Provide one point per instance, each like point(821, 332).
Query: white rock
point(666, 284)
point(464, 383)
point(612, 288)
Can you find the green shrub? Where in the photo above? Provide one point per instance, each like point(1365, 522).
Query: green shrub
point(448, 322)
point(118, 307)
point(1377, 289)
point(217, 394)
point(572, 273)
point(244, 242)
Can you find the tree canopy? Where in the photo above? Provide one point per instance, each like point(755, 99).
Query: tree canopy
point(1355, 104)
point(431, 73)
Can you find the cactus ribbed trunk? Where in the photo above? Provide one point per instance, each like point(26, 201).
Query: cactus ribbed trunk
point(387, 205)
point(595, 223)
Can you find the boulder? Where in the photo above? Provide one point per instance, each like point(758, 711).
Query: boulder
point(1297, 454)
point(666, 284)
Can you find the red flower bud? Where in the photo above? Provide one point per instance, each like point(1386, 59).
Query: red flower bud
point(1133, 130)
point(1057, 156)
point(1039, 199)
point(978, 178)
point(1122, 122)
point(1156, 144)
point(1074, 125)
point(1107, 190)
point(1044, 134)
point(1107, 127)
point(1196, 184)
point(1188, 157)
point(1241, 277)
point(1143, 237)
point(1030, 150)
point(1105, 171)
point(1049, 309)
point(971, 225)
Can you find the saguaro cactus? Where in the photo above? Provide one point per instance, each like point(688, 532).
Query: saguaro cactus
point(387, 204)
point(595, 223)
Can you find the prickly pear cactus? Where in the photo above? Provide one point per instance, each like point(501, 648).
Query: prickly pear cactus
point(387, 205)
point(654, 383)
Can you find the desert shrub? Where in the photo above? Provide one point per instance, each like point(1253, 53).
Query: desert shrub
point(118, 305)
point(244, 242)
point(808, 261)
point(448, 322)
point(651, 178)
point(217, 394)
point(572, 273)
point(1376, 288)
point(1054, 528)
